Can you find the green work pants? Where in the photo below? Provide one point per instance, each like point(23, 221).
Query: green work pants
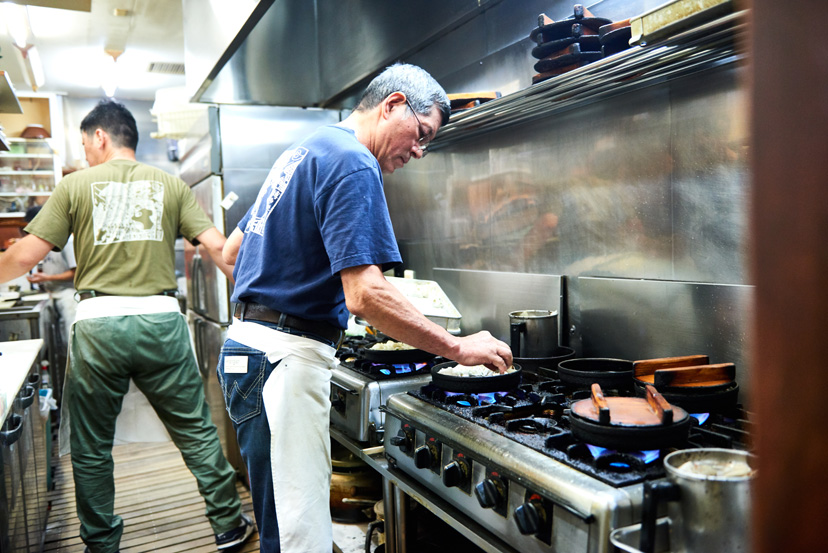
point(154, 351)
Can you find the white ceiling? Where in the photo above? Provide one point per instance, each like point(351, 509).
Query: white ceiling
point(72, 43)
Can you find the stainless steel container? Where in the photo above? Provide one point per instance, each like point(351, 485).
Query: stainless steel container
point(709, 501)
point(533, 332)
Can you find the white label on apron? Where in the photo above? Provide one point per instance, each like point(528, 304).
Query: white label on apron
point(235, 364)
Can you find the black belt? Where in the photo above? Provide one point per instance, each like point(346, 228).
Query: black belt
point(257, 312)
point(86, 294)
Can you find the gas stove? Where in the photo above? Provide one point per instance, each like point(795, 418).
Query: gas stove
point(360, 389)
point(510, 461)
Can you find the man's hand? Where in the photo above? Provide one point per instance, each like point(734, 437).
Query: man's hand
point(38, 277)
point(484, 349)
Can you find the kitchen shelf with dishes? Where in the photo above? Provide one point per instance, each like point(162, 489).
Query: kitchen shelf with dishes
point(29, 172)
point(688, 51)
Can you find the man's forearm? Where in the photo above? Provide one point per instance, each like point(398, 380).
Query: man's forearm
point(22, 256)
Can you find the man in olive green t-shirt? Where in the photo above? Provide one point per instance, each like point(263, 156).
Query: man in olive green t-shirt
point(125, 217)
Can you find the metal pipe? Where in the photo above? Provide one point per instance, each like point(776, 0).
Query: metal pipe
point(390, 515)
point(401, 512)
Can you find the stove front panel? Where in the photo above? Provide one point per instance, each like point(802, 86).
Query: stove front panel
point(526, 498)
point(356, 399)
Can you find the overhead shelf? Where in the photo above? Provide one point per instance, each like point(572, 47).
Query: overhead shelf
point(698, 49)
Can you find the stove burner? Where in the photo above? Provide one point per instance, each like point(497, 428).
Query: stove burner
point(464, 400)
point(701, 417)
point(536, 414)
point(531, 426)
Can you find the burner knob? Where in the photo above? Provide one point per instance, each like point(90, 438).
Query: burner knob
point(402, 441)
point(455, 473)
point(529, 517)
point(422, 457)
point(489, 493)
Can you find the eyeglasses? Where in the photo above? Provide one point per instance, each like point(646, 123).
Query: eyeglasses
point(424, 138)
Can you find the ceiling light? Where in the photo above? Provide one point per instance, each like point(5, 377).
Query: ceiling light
point(17, 23)
point(109, 75)
point(36, 67)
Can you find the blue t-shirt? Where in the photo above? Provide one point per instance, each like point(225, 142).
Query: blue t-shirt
point(321, 209)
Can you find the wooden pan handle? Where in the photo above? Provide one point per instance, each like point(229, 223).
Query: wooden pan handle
point(659, 405)
point(600, 404)
point(649, 366)
point(489, 95)
point(683, 376)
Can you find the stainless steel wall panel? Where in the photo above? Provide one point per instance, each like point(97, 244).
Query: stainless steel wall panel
point(485, 298)
point(711, 193)
point(644, 319)
point(253, 137)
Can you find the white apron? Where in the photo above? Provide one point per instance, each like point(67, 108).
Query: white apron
point(137, 421)
point(296, 399)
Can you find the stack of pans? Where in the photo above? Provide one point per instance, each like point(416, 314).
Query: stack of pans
point(566, 45)
point(615, 37)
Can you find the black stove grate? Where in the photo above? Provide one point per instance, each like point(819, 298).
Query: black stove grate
point(536, 415)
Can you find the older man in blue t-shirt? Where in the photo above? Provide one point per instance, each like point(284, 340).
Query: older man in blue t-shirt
point(309, 252)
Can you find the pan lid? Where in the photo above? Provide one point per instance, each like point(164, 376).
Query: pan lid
point(652, 411)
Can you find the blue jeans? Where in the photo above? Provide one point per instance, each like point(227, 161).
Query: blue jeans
point(243, 398)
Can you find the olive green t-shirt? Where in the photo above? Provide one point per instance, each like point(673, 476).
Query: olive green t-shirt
point(125, 217)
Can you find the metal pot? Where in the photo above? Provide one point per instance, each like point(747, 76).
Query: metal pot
point(709, 501)
point(355, 486)
point(533, 333)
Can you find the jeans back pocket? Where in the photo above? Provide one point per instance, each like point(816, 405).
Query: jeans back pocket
point(241, 373)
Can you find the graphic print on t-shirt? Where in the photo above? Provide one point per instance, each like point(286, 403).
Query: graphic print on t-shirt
point(127, 211)
point(274, 186)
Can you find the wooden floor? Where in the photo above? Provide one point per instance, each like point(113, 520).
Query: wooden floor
point(156, 496)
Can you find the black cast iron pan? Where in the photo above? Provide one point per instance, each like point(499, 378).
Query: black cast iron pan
point(708, 401)
point(629, 423)
point(565, 57)
point(545, 365)
point(475, 384)
point(587, 43)
point(396, 356)
point(615, 374)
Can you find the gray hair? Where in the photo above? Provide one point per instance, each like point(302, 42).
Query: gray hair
point(422, 91)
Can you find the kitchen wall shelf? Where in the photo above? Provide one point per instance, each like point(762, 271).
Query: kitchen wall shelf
point(30, 169)
point(698, 49)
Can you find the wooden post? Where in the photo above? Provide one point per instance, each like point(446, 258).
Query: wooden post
point(789, 115)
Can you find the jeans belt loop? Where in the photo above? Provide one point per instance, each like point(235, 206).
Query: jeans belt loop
point(243, 309)
point(281, 324)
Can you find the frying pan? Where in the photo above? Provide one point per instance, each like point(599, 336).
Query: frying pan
point(397, 356)
point(629, 423)
point(609, 373)
point(475, 384)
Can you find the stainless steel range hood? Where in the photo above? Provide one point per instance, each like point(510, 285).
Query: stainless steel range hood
point(307, 52)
